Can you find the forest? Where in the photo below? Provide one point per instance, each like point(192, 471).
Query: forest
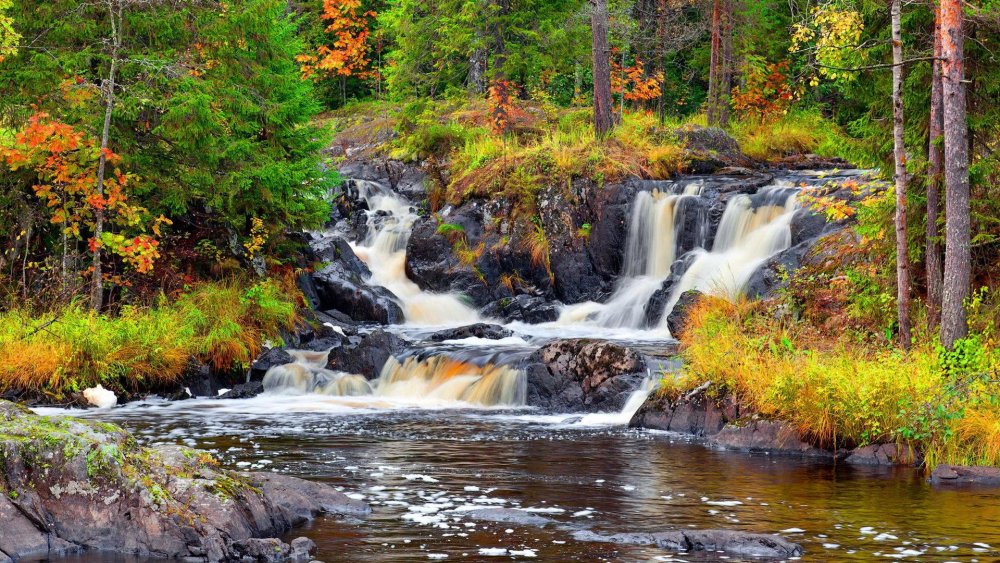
point(781, 214)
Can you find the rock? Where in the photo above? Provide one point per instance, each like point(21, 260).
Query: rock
point(807, 225)
point(100, 397)
point(731, 542)
point(267, 360)
point(523, 308)
point(583, 374)
point(302, 548)
point(774, 272)
point(677, 317)
point(366, 354)
point(508, 516)
point(269, 550)
point(710, 149)
point(71, 484)
point(344, 290)
point(966, 475)
point(767, 436)
point(478, 330)
point(244, 390)
point(881, 454)
point(693, 414)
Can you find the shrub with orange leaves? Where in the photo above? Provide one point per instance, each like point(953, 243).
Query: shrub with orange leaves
point(347, 54)
point(633, 82)
point(64, 162)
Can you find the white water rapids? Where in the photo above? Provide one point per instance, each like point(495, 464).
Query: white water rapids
point(752, 229)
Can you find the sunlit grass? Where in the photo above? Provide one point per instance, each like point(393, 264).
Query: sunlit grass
point(222, 324)
point(836, 392)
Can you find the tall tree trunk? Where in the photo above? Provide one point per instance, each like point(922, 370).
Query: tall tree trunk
point(957, 256)
point(602, 68)
point(899, 157)
point(726, 80)
point(935, 159)
point(712, 102)
point(660, 56)
point(97, 291)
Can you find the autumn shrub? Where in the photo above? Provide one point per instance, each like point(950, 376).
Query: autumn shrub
point(223, 324)
point(839, 393)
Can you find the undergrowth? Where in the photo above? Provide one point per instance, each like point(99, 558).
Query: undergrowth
point(221, 324)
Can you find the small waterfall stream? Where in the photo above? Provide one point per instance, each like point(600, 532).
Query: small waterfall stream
point(390, 220)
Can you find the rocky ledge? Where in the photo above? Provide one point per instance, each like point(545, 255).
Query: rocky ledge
point(711, 414)
point(69, 486)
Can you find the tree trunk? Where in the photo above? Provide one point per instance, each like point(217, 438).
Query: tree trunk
point(712, 102)
point(725, 82)
point(660, 56)
point(97, 291)
point(935, 159)
point(899, 157)
point(957, 257)
point(602, 68)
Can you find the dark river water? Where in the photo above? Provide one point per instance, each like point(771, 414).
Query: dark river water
point(420, 469)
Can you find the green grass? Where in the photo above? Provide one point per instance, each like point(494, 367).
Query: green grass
point(797, 132)
point(222, 324)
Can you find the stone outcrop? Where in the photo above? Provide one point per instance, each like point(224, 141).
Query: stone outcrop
point(583, 374)
point(478, 330)
point(69, 486)
point(959, 475)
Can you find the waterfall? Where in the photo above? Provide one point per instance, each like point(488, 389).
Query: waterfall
point(437, 379)
point(390, 220)
point(753, 228)
point(650, 250)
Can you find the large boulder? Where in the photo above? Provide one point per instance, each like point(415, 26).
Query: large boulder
point(710, 149)
point(583, 375)
point(344, 290)
point(678, 316)
point(71, 485)
point(366, 354)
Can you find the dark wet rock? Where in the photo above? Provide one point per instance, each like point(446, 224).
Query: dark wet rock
point(583, 374)
point(346, 291)
point(807, 225)
point(366, 354)
point(478, 330)
point(767, 436)
point(524, 308)
point(400, 177)
point(677, 318)
point(774, 273)
point(200, 380)
point(881, 454)
point(431, 262)
point(966, 475)
point(244, 390)
point(72, 485)
point(267, 360)
point(508, 516)
point(731, 542)
point(694, 413)
point(710, 149)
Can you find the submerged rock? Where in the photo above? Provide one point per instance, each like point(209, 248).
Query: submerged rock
point(731, 542)
point(583, 374)
point(72, 485)
point(966, 475)
point(523, 308)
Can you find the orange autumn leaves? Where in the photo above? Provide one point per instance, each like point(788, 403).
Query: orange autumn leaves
point(347, 55)
point(64, 163)
point(633, 82)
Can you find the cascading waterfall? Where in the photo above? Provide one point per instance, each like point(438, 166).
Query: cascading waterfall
point(650, 250)
point(753, 228)
point(437, 379)
point(390, 220)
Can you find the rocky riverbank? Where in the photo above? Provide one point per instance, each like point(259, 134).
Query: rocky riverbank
point(70, 486)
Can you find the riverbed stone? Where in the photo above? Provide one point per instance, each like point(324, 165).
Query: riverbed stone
point(583, 374)
point(366, 354)
point(965, 475)
point(88, 485)
point(677, 318)
point(731, 542)
point(478, 330)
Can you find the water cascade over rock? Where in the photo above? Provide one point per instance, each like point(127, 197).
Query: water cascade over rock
point(390, 218)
